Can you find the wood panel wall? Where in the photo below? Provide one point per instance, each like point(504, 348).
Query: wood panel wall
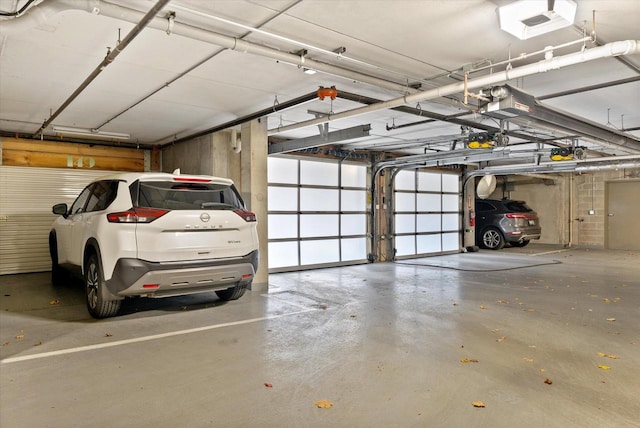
point(52, 154)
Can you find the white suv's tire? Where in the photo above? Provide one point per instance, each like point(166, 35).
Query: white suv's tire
point(233, 293)
point(93, 283)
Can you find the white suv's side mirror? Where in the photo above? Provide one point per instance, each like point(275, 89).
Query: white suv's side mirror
point(60, 209)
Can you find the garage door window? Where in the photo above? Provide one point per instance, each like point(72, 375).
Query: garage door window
point(426, 213)
point(317, 213)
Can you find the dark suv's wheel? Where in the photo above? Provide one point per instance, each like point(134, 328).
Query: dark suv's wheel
point(492, 239)
point(98, 306)
point(233, 293)
point(523, 243)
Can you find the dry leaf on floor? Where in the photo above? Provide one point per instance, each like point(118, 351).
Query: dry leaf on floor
point(108, 335)
point(613, 357)
point(504, 302)
point(54, 302)
point(38, 344)
point(268, 385)
point(528, 360)
point(501, 339)
point(531, 310)
point(604, 367)
point(611, 319)
point(468, 360)
point(20, 336)
point(548, 381)
point(606, 300)
point(483, 307)
point(6, 344)
point(323, 404)
point(478, 404)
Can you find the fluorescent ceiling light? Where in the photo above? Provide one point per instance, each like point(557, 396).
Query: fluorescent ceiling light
point(529, 18)
point(90, 133)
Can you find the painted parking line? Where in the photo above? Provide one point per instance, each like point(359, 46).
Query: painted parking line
point(147, 338)
point(550, 252)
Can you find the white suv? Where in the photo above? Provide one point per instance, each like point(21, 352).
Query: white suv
point(155, 235)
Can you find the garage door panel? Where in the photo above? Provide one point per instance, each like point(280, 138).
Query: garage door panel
point(320, 218)
point(26, 198)
point(426, 213)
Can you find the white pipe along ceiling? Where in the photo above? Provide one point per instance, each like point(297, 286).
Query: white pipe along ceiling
point(215, 25)
point(626, 47)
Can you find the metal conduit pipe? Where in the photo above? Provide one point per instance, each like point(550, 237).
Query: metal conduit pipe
point(111, 56)
point(39, 14)
point(620, 162)
point(338, 54)
point(276, 108)
point(589, 88)
point(190, 69)
point(626, 47)
point(452, 118)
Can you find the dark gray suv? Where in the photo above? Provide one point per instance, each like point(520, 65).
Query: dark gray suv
point(505, 221)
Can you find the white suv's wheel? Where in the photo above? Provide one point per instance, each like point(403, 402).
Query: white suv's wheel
point(233, 293)
point(98, 307)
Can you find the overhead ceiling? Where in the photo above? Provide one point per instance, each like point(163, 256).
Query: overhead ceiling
point(220, 61)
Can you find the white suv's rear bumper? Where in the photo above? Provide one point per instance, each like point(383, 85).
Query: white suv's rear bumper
point(135, 277)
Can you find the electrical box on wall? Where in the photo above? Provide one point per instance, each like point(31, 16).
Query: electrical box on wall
point(592, 212)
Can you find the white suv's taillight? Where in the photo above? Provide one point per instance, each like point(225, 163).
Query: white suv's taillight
point(136, 215)
point(247, 216)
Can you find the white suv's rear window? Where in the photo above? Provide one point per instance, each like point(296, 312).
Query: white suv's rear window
point(185, 195)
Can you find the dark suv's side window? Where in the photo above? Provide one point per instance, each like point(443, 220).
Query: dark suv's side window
point(483, 206)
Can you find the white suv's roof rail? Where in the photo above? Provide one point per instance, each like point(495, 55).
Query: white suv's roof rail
point(130, 177)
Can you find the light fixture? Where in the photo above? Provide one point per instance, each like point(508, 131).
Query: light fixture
point(529, 18)
point(89, 133)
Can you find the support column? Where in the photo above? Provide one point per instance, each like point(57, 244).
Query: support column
point(253, 186)
point(468, 209)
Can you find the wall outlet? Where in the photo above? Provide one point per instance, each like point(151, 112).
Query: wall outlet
point(592, 212)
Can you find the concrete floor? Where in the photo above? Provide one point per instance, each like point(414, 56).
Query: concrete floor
point(382, 342)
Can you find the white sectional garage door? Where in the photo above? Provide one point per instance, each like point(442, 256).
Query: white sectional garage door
point(317, 213)
point(427, 213)
point(26, 197)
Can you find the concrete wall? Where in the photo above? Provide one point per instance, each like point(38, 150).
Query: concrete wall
point(589, 194)
point(564, 206)
point(549, 197)
point(212, 154)
point(192, 157)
